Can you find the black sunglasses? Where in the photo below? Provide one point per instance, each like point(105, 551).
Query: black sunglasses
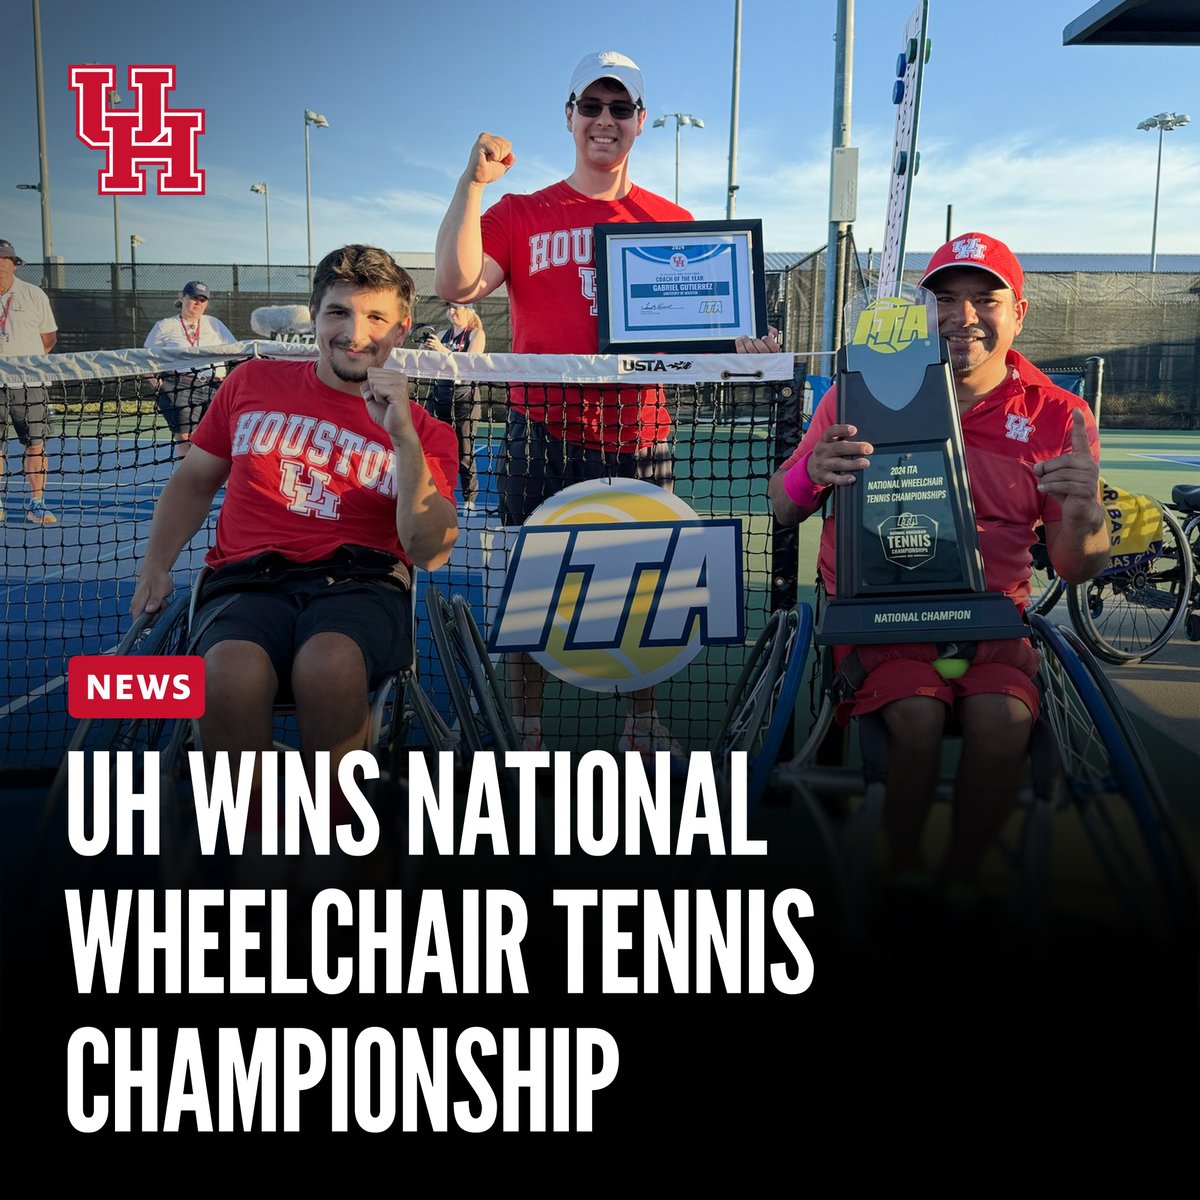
point(619, 110)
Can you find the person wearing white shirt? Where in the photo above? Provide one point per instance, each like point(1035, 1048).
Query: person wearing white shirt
point(183, 397)
point(27, 327)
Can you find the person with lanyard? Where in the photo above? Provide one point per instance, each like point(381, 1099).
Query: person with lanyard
point(27, 327)
point(183, 396)
point(458, 403)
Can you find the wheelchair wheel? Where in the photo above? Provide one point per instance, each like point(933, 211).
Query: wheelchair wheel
point(1128, 615)
point(1112, 789)
point(475, 690)
point(762, 700)
point(159, 633)
point(1045, 587)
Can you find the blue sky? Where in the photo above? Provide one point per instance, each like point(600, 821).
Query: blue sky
point(1026, 138)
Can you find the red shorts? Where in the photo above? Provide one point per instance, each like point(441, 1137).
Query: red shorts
point(895, 672)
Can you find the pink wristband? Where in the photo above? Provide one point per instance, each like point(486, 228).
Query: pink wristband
point(800, 488)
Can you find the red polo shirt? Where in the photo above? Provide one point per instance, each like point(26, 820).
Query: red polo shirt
point(1023, 421)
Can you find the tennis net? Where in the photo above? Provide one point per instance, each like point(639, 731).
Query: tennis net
point(724, 423)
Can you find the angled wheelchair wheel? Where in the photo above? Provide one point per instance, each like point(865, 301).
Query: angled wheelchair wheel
point(476, 692)
point(1045, 587)
point(1130, 614)
point(164, 632)
point(761, 702)
point(1112, 790)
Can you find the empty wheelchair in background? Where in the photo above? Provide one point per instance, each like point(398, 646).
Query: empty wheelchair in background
point(1092, 837)
point(1133, 608)
point(1185, 500)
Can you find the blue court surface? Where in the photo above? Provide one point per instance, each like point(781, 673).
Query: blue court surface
point(65, 589)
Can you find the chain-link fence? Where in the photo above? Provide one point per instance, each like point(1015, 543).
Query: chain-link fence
point(1145, 326)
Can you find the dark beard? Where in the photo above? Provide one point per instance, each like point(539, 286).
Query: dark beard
point(347, 374)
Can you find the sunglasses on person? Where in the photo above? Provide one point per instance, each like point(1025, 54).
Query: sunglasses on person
point(619, 110)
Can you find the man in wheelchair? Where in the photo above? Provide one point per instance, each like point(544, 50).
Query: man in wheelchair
point(335, 487)
point(1032, 453)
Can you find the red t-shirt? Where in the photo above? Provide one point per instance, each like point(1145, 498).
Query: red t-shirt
point(1023, 421)
point(543, 242)
point(310, 471)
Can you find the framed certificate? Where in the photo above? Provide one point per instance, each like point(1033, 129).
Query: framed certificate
point(694, 285)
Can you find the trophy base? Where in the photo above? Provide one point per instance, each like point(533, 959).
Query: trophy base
point(974, 616)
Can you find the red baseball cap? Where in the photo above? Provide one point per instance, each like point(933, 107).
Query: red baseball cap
point(978, 250)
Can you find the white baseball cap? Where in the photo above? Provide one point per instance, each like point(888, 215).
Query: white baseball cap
point(607, 64)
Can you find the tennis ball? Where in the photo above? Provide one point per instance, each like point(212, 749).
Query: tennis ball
point(951, 668)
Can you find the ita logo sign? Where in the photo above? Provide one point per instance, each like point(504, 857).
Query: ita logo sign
point(614, 585)
point(891, 324)
point(148, 134)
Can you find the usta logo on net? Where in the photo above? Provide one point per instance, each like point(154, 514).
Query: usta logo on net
point(150, 134)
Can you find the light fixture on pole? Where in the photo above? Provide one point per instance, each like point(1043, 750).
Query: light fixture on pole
point(681, 119)
point(310, 118)
point(261, 190)
point(1164, 122)
point(114, 99)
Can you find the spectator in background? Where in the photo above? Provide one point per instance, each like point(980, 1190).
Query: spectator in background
point(458, 403)
point(183, 396)
point(27, 326)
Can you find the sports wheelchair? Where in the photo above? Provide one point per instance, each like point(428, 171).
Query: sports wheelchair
point(1092, 836)
point(756, 719)
point(1133, 608)
point(402, 716)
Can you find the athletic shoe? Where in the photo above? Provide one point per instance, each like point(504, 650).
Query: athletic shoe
point(37, 512)
point(647, 735)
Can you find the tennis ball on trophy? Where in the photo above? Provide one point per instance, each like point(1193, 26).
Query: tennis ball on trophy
point(951, 668)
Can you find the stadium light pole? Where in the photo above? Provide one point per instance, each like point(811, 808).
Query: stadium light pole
point(43, 156)
point(310, 118)
point(1164, 122)
point(114, 99)
point(261, 189)
point(681, 119)
point(730, 199)
point(134, 243)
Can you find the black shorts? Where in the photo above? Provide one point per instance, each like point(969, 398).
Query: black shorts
point(536, 466)
point(28, 408)
point(182, 400)
point(282, 614)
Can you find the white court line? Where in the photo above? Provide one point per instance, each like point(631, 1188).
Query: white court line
point(1178, 458)
point(30, 697)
